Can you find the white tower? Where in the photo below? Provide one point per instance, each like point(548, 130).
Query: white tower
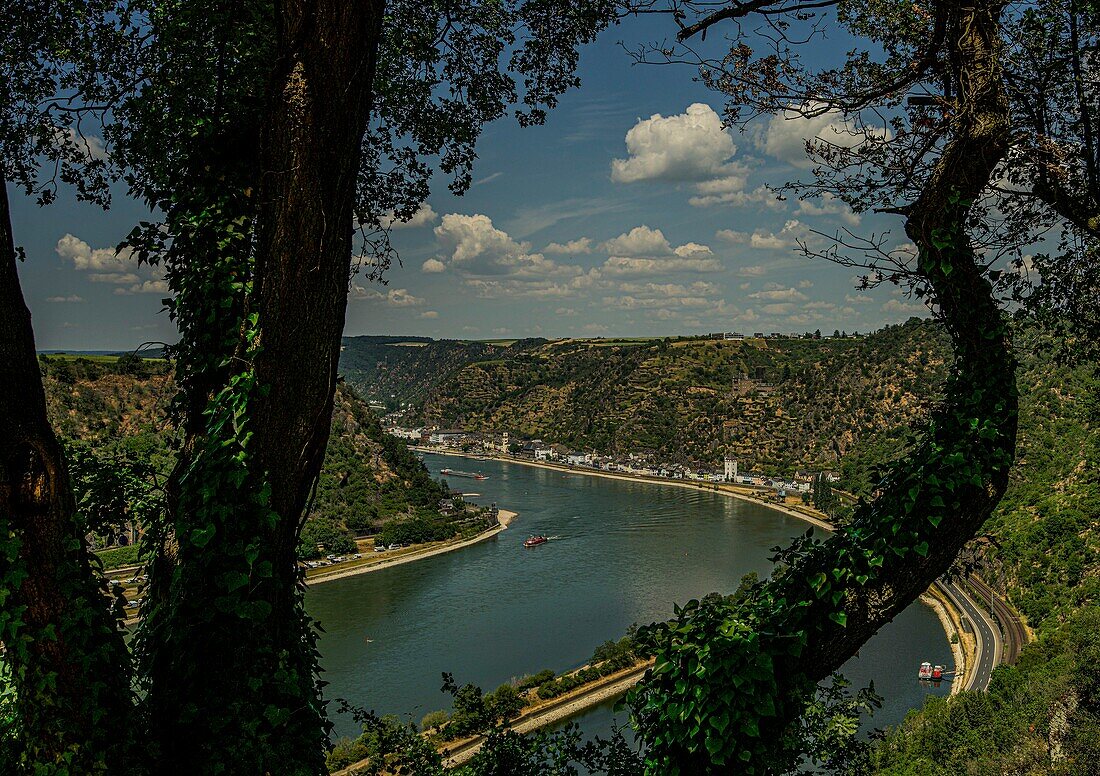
point(731, 469)
point(504, 443)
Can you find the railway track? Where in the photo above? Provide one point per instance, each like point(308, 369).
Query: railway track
point(1012, 628)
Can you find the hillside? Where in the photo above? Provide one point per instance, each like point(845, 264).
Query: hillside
point(396, 369)
point(112, 415)
point(777, 404)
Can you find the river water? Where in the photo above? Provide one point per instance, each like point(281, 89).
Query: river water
point(620, 553)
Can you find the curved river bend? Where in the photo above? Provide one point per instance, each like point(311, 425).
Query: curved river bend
point(621, 553)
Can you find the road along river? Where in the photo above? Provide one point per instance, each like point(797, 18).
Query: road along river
point(620, 553)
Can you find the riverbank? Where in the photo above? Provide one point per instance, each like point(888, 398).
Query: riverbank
point(556, 710)
point(812, 516)
point(419, 552)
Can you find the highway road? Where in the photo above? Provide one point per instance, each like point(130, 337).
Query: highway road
point(990, 645)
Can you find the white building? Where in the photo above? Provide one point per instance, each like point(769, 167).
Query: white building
point(504, 443)
point(730, 469)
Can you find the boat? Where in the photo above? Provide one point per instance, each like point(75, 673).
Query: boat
point(937, 673)
point(471, 475)
point(535, 541)
point(925, 671)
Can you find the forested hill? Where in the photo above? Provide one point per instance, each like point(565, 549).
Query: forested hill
point(116, 410)
point(776, 403)
point(400, 369)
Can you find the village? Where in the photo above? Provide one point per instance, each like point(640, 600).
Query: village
point(642, 463)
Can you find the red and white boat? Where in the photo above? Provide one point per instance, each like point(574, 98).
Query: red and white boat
point(925, 671)
point(535, 541)
point(937, 673)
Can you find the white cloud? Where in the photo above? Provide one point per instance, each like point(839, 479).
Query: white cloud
point(805, 284)
point(786, 238)
point(433, 266)
point(394, 297)
point(777, 309)
point(858, 299)
point(639, 241)
point(422, 217)
point(580, 245)
point(429, 314)
point(788, 132)
point(155, 286)
point(622, 265)
point(473, 246)
point(566, 312)
point(896, 306)
point(102, 260)
point(754, 271)
point(106, 265)
point(732, 236)
point(828, 205)
point(62, 299)
point(88, 145)
point(690, 147)
point(780, 295)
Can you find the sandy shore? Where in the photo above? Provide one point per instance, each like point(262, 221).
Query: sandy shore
point(504, 516)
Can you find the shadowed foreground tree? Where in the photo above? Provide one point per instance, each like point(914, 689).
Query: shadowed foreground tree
point(69, 668)
point(267, 133)
point(732, 679)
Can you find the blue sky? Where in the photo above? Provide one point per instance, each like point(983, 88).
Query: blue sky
point(631, 212)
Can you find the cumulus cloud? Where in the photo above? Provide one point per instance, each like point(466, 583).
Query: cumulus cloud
point(643, 242)
point(394, 297)
point(85, 258)
point(106, 265)
point(581, 245)
point(429, 314)
point(690, 147)
point(62, 299)
point(858, 299)
point(787, 134)
point(473, 246)
point(422, 217)
point(639, 241)
point(754, 271)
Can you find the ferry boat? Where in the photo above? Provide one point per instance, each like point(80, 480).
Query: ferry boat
point(937, 673)
point(925, 671)
point(471, 475)
point(535, 541)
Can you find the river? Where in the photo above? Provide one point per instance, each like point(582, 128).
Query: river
point(620, 553)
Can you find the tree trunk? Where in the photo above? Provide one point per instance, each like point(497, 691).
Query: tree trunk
point(69, 663)
point(234, 686)
point(731, 690)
